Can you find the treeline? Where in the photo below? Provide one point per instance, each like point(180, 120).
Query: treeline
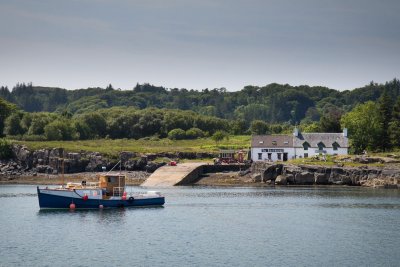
point(371, 113)
point(274, 103)
point(118, 122)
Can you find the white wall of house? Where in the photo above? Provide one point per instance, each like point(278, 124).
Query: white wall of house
point(313, 151)
point(262, 154)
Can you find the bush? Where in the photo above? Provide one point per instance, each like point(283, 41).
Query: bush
point(60, 130)
point(5, 149)
point(177, 134)
point(194, 133)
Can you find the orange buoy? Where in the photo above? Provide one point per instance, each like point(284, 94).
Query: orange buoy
point(72, 206)
point(101, 206)
point(123, 197)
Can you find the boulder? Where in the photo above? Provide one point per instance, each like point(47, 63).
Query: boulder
point(290, 178)
point(304, 178)
point(22, 155)
point(281, 180)
point(256, 178)
point(321, 178)
point(272, 172)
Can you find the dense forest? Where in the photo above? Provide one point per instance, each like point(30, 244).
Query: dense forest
point(44, 113)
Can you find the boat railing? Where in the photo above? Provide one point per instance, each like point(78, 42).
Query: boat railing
point(118, 191)
point(83, 185)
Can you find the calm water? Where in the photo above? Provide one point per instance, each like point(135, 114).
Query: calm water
point(203, 226)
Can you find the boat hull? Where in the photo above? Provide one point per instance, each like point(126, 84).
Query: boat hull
point(62, 199)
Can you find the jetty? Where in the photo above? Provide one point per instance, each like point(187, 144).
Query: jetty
point(181, 174)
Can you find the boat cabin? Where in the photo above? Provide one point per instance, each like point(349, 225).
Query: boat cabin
point(113, 184)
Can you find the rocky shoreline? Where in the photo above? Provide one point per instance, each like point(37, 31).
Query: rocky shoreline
point(45, 166)
point(288, 174)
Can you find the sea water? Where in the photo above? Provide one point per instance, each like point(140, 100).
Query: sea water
point(209, 226)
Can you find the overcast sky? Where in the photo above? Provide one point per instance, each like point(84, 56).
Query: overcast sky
point(341, 44)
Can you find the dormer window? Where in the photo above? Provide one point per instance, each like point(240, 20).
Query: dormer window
point(274, 143)
point(321, 146)
point(261, 142)
point(335, 146)
point(306, 145)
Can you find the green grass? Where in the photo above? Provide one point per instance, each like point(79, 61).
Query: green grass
point(113, 147)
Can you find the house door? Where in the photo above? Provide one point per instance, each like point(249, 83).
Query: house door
point(285, 156)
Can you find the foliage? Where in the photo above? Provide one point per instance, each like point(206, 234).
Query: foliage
point(5, 148)
point(273, 103)
point(259, 127)
point(13, 124)
point(6, 109)
point(385, 116)
point(194, 133)
point(363, 124)
point(394, 126)
point(177, 134)
point(60, 130)
point(218, 136)
point(154, 111)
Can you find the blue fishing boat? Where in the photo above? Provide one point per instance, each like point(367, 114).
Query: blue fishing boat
point(109, 192)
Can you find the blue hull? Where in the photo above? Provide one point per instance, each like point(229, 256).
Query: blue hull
point(49, 201)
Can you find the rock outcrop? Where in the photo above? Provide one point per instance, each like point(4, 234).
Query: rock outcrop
point(54, 161)
point(320, 175)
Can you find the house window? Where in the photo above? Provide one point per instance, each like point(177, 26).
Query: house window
point(335, 146)
point(321, 146)
point(259, 155)
point(269, 156)
point(279, 156)
point(306, 145)
point(305, 155)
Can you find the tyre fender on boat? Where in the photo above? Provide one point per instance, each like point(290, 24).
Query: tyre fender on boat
point(130, 199)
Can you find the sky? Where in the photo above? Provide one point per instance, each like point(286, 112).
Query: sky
point(341, 44)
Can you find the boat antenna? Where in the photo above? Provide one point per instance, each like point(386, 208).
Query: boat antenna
point(113, 168)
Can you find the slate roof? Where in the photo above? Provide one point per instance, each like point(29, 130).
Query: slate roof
point(297, 141)
point(327, 138)
point(272, 141)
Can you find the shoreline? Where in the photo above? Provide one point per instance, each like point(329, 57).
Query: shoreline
point(229, 179)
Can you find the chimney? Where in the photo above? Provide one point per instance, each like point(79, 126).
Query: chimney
point(345, 132)
point(296, 132)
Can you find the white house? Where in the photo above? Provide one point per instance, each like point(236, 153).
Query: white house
point(298, 145)
point(272, 147)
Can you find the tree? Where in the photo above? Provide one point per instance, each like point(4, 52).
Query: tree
point(13, 124)
point(176, 134)
point(330, 121)
point(394, 126)
point(96, 123)
point(60, 129)
point(6, 108)
point(194, 133)
point(258, 127)
point(363, 124)
point(218, 136)
point(385, 112)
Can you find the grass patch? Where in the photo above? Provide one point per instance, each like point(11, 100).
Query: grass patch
point(114, 147)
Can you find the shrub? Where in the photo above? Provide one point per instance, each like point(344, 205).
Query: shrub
point(194, 133)
point(5, 149)
point(177, 134)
